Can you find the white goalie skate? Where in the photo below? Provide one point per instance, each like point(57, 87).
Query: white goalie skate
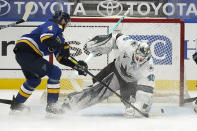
point(132, 113)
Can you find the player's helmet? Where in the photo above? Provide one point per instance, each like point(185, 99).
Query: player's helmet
point(142, 53)
point(59, 15)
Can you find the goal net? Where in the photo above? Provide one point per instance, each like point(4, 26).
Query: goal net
point(165, 37)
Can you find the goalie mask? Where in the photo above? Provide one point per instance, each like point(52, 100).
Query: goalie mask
point(142, 53)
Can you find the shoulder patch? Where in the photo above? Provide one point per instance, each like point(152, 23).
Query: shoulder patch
point(50, 27)
point(126, 38)
point(151, 77)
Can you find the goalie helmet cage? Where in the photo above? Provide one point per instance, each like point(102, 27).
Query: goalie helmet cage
point(168, 33)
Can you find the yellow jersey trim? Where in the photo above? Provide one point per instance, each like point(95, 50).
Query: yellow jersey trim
point(53, 90)
point(45, 37)
point(59, 58)
point(23, 94)
point(66, 47)
point(60, 26)
point(31, 45)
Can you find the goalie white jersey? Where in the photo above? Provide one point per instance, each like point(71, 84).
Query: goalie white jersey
point(128, 68)
point(131, 72)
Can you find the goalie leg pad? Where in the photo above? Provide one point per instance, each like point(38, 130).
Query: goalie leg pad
point(143, 103)
point(105, 72)
point(144, 100)
point(128, 91)
point(90, 96)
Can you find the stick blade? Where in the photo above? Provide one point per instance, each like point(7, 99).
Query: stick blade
point(28, 10)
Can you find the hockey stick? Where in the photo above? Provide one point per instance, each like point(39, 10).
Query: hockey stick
point(25, 16)
point(188, 100)
point(6, 101)
point(89, 73)
point(91, 55)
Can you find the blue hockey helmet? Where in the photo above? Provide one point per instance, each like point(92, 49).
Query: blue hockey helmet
point(59, 15)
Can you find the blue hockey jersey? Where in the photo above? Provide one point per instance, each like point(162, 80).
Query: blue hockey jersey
point(37, 36)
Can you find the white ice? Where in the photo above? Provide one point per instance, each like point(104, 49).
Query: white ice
point(101, 117)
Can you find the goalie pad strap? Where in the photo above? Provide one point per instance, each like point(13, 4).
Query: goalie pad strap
point(144, 88)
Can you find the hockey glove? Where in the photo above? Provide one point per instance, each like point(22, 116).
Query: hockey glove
point(195, 57)
point(81, 67)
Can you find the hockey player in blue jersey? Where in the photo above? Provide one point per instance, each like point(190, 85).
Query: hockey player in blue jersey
point(46, 39)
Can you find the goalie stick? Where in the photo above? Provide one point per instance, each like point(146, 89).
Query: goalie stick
point(188, 100)
point(142, 113)
point(25, 17)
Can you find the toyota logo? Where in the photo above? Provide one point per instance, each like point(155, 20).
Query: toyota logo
point(4, 7)
point(109, 8)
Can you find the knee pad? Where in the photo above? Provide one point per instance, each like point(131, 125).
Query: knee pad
point(54, 75)
point(32, 83)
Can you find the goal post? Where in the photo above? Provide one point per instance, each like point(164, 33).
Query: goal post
point(165, 37)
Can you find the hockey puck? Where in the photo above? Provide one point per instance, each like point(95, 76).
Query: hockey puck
point(162, 110)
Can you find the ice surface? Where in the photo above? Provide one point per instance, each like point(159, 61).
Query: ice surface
point(101, 117)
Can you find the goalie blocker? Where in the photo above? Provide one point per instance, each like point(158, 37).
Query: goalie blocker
point(132, 73)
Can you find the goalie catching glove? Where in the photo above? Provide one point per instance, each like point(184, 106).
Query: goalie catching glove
point(100, 44)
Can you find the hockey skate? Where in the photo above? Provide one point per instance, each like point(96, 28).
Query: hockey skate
point(129, 113)
point(18, 108)
point(53, 110)
point(132, 113)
